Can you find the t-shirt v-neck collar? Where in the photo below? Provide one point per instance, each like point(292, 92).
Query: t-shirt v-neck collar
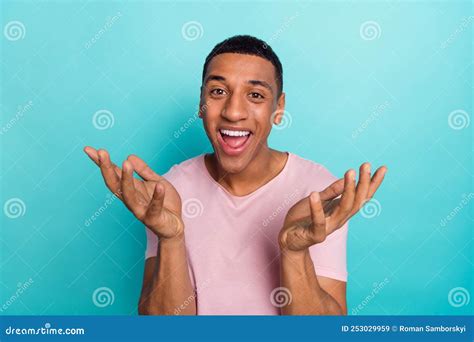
point(268, 184)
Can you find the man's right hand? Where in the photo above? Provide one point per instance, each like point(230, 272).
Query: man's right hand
point(153, 200)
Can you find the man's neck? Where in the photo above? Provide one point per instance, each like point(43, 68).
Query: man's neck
point(263, 168)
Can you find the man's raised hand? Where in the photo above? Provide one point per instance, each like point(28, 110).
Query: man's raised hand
point(313, 218)
point(153, 200)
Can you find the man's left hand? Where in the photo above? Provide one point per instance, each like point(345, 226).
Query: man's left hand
point(313, 218)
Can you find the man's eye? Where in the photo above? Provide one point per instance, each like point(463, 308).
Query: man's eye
point(217, 91)
point(256, 96)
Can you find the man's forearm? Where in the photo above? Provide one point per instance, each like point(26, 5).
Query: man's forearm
point(307, 296)
point(170, 291)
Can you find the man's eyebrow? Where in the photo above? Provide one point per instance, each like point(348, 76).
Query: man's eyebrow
point(253, 82)
point(214, 78)
point(261, 83)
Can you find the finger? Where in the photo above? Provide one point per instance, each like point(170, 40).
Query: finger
point(156, 204)
point(142, 169)
point(107, 168)
point(333, 190)
point(92, 154)
point(362, 188)
point(347, 199)
point(318, 219)
point(128, 190)
point(106, 154)
point(376, 180)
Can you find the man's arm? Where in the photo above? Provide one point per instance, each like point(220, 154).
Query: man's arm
point(310, 294)
point(167, 288)
point(157, 204)
point(308, 223)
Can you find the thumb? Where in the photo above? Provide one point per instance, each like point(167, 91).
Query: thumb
point(318, 225)
point(156, 204)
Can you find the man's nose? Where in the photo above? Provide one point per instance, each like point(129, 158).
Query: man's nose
point(235, 109)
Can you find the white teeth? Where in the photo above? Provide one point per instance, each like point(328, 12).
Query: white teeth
point(234, 133)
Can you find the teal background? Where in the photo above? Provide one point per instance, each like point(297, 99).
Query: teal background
point(147, 74)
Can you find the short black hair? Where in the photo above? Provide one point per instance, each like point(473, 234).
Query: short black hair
point(247, 45)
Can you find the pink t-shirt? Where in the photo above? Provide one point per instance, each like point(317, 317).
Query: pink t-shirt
point(232, 241)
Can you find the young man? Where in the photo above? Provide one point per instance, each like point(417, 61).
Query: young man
point(246, 229)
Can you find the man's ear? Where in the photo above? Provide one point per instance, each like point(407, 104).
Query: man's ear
point(280, 111)
point(201, 106)
point(200, 110)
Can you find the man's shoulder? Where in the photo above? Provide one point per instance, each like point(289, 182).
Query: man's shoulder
point(305, 167)
point(189, 163)
point(188, 166)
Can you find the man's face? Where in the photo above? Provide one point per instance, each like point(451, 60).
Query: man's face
point(239, 104)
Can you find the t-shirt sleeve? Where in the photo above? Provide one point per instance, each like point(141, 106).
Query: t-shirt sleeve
point(151, 238)
point(329, 257)
point(151, 244)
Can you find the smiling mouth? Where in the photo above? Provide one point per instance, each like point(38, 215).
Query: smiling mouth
point(233, 142)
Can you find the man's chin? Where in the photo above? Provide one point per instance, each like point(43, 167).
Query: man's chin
point(233, 164)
